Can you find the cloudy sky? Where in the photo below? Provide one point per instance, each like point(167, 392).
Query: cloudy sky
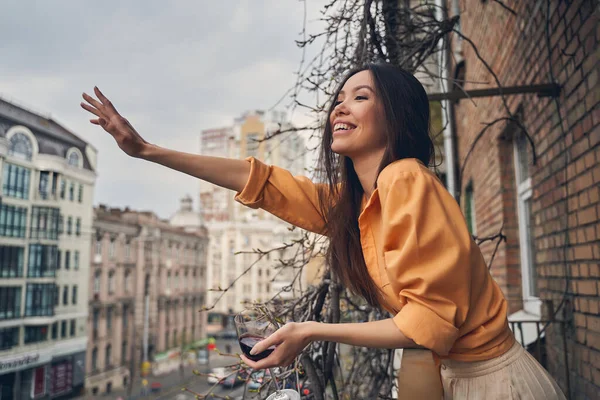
point(172, 68)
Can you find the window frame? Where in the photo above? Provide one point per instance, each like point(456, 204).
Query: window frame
point(524, 191)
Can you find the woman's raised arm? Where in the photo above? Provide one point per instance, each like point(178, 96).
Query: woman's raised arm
point(228, 173)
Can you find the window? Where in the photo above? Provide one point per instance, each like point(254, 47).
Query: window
point(109, 318)
point(65, 295)
point(124, 351)
point(39, 299)
point(176, 280)
point(125, 316)
point(42, 261)
point(44, 185)
point(20, 146)
point(13, 221)
point(531, 301)
point(10, 302)
point(470, 208)
point(74, 295)
point(67, 259)
point(175, 338)
point(76, 259)
point(98, 247)
point(69, 225)
point(11, 262)
point(55, 331)
point(71, 191)
point(61, 224)
point(63, 329)
point(108, 358)
point(95, 319)
point(73, 159)
point(80, 194)
point(63, 188)
point(169, 280)
point(97, 282)
point(127, 250)
point(34, 334)
point(78, 227)
point(94, 359)
point(127, 281)
point(111, 282)
point(44, 223)
point(111, 248)
point(15, 181)
point(58, 259)
point(57, 296)
point(72, 328)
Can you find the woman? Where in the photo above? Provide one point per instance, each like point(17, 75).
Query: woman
point(397, 238)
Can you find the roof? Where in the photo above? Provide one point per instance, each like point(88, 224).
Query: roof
point(53, 138)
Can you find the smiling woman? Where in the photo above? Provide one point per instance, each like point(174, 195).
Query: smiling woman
point(397, 238)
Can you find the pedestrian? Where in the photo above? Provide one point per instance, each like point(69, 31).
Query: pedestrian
point(144, 387)
point(396, 237)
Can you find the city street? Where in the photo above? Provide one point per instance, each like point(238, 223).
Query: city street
point(172, 384)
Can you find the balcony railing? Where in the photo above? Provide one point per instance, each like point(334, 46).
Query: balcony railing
point(537, 347)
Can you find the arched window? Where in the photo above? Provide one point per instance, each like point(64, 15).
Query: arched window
point(20, 146)
point(73, 159)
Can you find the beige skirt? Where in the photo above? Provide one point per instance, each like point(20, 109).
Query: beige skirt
point(513, 375)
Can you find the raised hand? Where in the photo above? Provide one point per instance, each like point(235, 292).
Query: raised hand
point(128, 139)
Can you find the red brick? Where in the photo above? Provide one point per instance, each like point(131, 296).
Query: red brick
point(587, 287)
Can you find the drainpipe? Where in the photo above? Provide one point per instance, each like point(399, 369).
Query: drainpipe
point(448, 122)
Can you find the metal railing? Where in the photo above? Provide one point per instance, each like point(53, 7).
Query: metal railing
point(537, 347)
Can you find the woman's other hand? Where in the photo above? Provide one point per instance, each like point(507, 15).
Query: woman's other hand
point(289, 340)
point(112, 122)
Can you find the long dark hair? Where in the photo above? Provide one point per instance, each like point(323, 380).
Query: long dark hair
point(406, 109)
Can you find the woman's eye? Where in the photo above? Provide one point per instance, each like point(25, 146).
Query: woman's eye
point(361, 98)
point(337, 103)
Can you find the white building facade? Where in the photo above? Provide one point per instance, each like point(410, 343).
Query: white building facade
point(47, 177)
point(236, 231)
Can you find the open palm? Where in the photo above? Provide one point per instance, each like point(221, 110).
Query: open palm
point(128, 139)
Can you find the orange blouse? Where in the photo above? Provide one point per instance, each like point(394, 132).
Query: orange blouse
point(418, 251)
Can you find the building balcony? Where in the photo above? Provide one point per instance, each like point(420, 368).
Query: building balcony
point(45, 196)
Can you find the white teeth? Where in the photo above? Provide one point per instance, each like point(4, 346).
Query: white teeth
point(341, 126)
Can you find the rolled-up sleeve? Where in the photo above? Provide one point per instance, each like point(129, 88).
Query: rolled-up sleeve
point(427, 255)
point(294, 199)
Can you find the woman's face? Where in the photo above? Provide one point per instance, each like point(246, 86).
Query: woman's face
point(358, 120)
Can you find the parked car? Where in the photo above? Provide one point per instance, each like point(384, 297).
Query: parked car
point(216, 375)
point(235, 379)
point(258, 378)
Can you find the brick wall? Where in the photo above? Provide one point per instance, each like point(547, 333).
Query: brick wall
point(565, 201)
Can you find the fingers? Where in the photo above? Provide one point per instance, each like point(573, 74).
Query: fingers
point(95, 103)
point(263, 345)
point(91, 109)
point(103, 99)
